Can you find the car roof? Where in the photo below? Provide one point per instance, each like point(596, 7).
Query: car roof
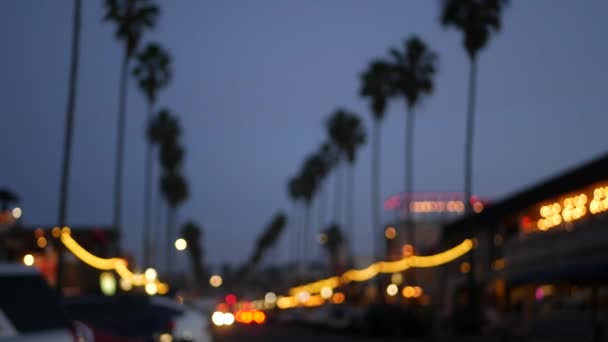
point(17, 269)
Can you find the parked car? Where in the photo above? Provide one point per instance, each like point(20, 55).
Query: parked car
point(30, 310)
point(135, 316)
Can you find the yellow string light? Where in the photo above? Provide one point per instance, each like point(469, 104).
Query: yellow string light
point(116, 264)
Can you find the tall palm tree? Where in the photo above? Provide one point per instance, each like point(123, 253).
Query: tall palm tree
point(477, 20)
point(269, 237)
point(294, 191)
point(192, 233)
point(175, 190)
point(333, 243)
point(413, 72)
point(309, 176)
point(132, 18)
point(153, 74)
point(347, 132)
point(69, 128)
point(328, 155)
point(376, 85)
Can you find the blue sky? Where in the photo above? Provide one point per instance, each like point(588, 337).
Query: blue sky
point(253, 85)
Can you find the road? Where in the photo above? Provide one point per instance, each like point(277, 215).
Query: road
point(300, 334)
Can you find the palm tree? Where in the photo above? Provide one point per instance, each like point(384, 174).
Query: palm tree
point(153, 74)
point(376, 85)
point(294, 191)
point(413, 72)
point(69, 128)
point(131, 17)
point(348, 134)
point(309, 176)
point(268, 238)
point(333, 243)
point(328, 156)
point(175, 190)
point(476, 20)
point(192, 233)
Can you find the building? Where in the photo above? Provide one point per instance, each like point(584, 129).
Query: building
point(542, 251)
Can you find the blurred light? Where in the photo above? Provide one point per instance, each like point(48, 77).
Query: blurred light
point(270, 298)
point(498, 264)
point(408, 292)
point(56, 232)
point(16, 212)
point(322, 238)
point(216, 281)
point(286, 302)
point(230, 299)
point(259, 317)
point(66, 231)
point(151, 289)
point(539, 294)
point(107, 283)
point(180, 244)
point(41, 242)
point(125, 284)
point(417, 291)
point(39, 232)
point(303, 296)
point(407, 250)
point(478, 207)
point(465, 267)
point(150, 274)
point(180, 299)
point(247, 317)
point(218, 318)
point(326, 292)
point(397, 278)
point(28, 260)
point(163, 288)
point(165, 338)
point(392, 289)
point(338, 298)
point(390, 233)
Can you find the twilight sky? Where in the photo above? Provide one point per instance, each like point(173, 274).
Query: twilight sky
point(253, 84)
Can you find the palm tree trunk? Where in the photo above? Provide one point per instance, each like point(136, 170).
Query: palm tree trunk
point(169, 264)
point(322, 208)
point(69, 127)
point(468, 176)
point(409, 170)
point(146, 229)
point(337, 195)
point(468, 157)
point(350, 210)
point(120, 148)
point(375, 193)
point(158, 248)
point(307, 235)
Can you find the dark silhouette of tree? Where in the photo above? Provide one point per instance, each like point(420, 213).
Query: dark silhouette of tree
point(413, 72)
point(348, 134)
point(476, 19)
point(192, 233)
point(333, 242)
point(376, 85)
point(308, 179)
point(68, 134)
point(267, 239)
point(328, 155)
point(175, 190)
point(152, 73)
point(6, 198)
point(132, 18)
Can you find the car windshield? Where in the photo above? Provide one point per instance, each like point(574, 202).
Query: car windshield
point(30, 305)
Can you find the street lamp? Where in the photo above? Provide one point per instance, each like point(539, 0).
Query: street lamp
point(180, 244)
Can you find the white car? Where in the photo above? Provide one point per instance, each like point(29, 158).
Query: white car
point(188, 324)
point(30, 310)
